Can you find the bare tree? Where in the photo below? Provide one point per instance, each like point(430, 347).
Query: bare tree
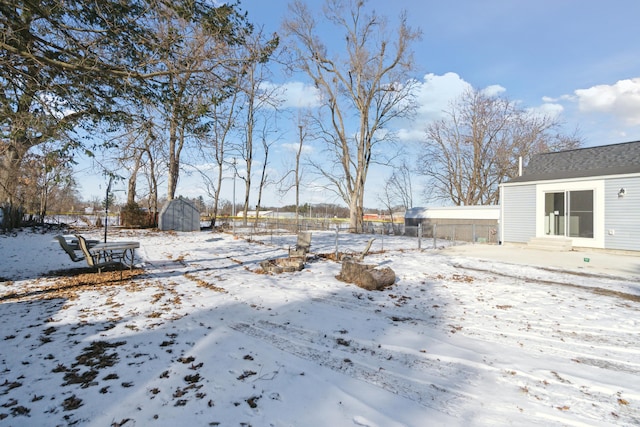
point(264, 178)
point(238, 109)
point(298, 176)
point(293, 177)
point(258, 98)
point(467, 154)
point(70, 64)
point(196, 56)
point(402, 186)
point(373, 79)
point(398, 190)
point(246, 149)
point(133, 152)
point(145, 152)
point(45, 177)
point(222, 116)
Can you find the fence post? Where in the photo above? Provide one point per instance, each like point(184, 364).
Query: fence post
point(420, 236)
point(473, 232)
point(435, 233)
point(337, 230)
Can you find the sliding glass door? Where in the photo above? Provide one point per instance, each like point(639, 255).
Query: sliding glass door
point(581, 213)
point(554, 214)
point(569, 213)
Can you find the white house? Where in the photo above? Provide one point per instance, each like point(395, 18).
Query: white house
point(588, 197)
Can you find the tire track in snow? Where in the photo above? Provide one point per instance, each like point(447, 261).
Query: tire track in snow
point(595, 347)
point(438, 385)
point(567, 333)
point(394, 314)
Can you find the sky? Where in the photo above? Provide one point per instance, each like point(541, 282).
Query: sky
point(575, 59)
point(202, 336)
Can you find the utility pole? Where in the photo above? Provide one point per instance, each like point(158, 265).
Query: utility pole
point(233, 207)
point(106, 208)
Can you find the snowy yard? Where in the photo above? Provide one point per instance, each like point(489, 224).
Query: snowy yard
point(198, 337)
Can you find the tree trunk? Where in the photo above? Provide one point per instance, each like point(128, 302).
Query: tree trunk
point(216, 197)
point(9, 172)
point(153, 188)
point(174, 166)
point(176, 142)
point(131, 187)
point(355, 221)
point(248, 157)
point(356, 207)
point(366, 276)
point(263, 179)
point(11, 161)
point(44, 198)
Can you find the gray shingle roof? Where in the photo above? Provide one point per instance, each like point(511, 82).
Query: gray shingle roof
point(603, 160)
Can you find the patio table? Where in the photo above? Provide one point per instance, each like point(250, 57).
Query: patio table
point(125, 250)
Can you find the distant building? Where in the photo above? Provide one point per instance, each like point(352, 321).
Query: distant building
point(467, 223)
point(261, 214)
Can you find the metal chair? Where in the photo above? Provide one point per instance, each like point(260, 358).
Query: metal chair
point(68, 249)
point(94, 259)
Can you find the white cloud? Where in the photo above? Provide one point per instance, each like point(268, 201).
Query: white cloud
point(621, 99)
point(55, 105)
point(293, 147)
point(493, 90)
point(549, 109)
point(435, 93)
point(297, 94)
point(411, 134)
point(551, 100)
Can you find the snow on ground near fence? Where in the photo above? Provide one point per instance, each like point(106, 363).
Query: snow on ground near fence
point(198, 337)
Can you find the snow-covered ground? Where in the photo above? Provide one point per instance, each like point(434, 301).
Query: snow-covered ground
point(199, 338)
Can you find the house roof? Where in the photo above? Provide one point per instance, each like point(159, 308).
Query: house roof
point(614, 159)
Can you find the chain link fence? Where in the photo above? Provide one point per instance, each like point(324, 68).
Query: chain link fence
point(429, 235)
point(408, 237)
point(475, 233)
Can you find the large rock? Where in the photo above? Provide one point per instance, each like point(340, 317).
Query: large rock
point(366, 276)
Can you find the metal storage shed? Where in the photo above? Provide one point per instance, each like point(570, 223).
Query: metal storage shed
point(179, 215)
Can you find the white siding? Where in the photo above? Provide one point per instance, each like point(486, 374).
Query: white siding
point(622, 214)
point(519, 213)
